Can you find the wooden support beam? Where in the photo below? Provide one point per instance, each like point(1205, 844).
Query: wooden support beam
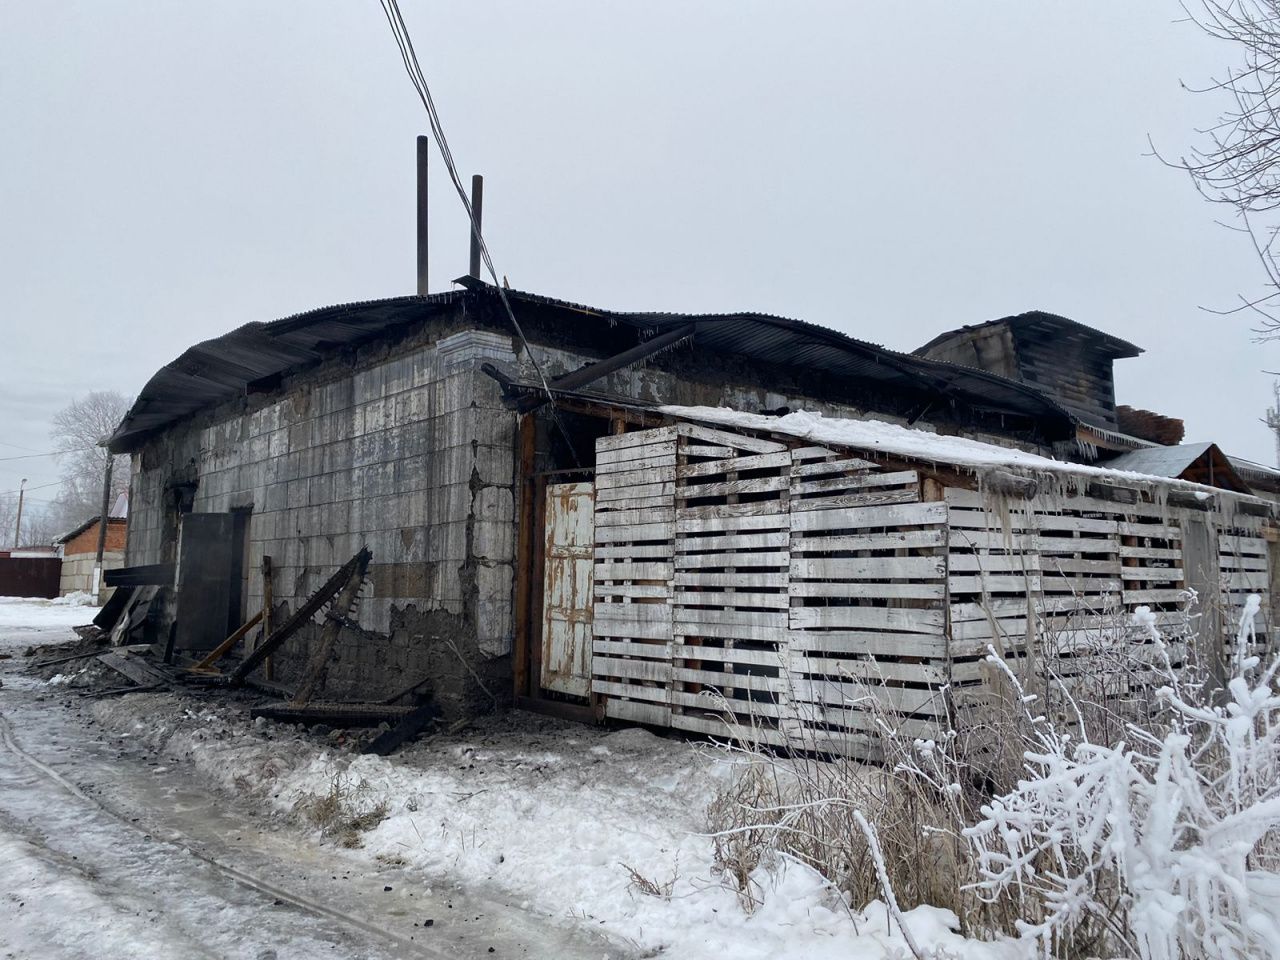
point(592, 372)
point(336, 618)
point(268, 611)
point(524, 555)
point(222, 649)
point(406, 730)
point(300, 616)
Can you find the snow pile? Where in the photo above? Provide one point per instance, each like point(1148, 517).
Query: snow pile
point(554, 815)
point(25, 621)
point(875, 436)
point(77, 598)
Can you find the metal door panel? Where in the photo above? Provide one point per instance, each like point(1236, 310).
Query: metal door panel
point(566, 608)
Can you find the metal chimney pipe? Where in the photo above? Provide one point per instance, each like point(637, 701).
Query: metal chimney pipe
point(477, 205)
point(424, 150)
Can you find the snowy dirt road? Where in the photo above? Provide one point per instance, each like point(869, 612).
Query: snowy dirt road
point(106, 852)
point(171, 824)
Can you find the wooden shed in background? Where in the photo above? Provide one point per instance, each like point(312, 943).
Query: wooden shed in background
point(755, 571)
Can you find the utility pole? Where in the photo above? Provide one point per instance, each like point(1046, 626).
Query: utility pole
point(102, 522)
point(17, 527)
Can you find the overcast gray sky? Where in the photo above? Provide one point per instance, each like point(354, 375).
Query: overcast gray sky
point(170, 171)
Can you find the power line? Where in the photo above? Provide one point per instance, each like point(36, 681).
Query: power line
point(16, 446)
point(42, 486)
point(391, 8)
point(31, 456)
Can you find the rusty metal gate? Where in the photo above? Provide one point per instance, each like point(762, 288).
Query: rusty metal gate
point(566, 617)
point(39, 577)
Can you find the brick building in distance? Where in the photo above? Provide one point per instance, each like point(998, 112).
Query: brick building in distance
point(78, 549)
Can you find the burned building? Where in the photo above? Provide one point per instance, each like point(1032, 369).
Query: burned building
point(1068, 361)
point(428, 430)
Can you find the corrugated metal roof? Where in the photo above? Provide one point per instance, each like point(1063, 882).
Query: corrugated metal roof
point(220, 369)
point(1160, 461)
point(790, 342)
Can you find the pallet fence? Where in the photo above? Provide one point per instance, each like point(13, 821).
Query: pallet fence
point(750, 581)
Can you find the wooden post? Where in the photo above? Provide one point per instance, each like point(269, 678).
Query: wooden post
point(268, 611)
point(536, 584)
point(524, 557)
point(102, 527)
point(1201, 572)
point(335, 619)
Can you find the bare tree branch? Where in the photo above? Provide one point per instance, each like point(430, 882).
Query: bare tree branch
point(78, 432)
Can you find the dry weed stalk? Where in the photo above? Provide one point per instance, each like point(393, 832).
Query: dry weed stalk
point(662, 889)
point(339, 813)
point(1095, 676)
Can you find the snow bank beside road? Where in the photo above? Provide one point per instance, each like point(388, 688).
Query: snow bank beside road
point(549, 812)
point(25, 621)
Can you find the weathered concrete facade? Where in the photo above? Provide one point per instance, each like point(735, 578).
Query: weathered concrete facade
point(409, 454)
point(401, 443)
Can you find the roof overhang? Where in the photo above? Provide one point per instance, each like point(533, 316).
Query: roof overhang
point(255, 357)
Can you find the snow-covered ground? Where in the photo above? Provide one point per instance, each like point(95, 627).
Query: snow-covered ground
point(551, 814)
point(26, 622)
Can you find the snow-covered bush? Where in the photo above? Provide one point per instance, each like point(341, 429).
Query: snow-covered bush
point(1086, 817)
point(1170, 839)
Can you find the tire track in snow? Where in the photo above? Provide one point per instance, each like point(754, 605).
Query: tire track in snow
point(231, 873)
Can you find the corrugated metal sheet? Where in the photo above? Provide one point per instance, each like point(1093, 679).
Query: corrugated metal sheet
point(1160, 461)
point(225, 367)
point(789, 342)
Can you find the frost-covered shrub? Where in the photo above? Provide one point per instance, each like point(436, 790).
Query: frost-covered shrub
point(1168, 838)
point(1090, 817)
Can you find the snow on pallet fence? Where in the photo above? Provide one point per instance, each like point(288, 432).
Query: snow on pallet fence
point(763, 568)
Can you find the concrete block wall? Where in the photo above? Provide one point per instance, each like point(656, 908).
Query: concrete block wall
point(77, 572)
point(145, 542)
point(411, 456)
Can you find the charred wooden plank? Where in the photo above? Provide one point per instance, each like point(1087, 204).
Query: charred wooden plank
point(133, 668)
point(132, 688)
point(152, 575)
point(111, 610)
point(301, 616)
point(74, 656)
point(412, 724)
point(333, 714)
